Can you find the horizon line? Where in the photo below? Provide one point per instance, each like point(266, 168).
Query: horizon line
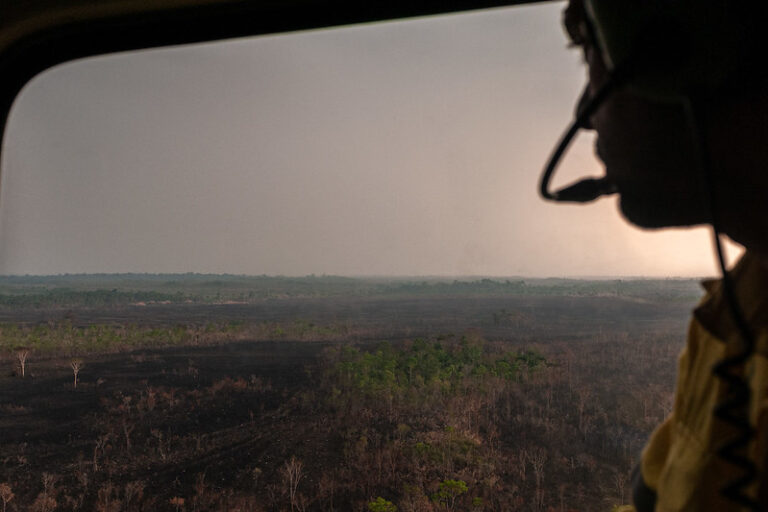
point(577, 277)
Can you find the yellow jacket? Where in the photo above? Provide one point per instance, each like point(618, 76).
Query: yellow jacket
point(679, 469)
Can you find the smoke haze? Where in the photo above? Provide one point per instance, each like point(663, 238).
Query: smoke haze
point(403, 148)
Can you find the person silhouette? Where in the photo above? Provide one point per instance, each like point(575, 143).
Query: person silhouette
point(680, 105)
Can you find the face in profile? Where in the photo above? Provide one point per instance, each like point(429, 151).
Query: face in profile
point(648, 146)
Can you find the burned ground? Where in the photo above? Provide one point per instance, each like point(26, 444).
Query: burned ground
point(250, 391)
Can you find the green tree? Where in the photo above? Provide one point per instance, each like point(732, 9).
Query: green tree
point(448, 493)
point(381, 505)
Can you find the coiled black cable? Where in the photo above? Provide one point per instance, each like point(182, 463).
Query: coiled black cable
point(733, 409)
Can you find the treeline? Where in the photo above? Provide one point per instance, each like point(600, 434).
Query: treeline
point(421, 365)
point(105, 290)
point(65, 339)
point(655, 289)
point(63, 297)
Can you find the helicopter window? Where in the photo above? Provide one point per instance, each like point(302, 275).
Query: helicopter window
point(310, 270)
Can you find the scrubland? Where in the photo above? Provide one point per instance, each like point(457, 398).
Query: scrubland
point(410, 402)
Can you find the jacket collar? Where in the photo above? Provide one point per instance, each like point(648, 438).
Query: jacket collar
point(750, 282)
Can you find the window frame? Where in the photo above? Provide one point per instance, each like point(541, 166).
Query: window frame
point(38, 34)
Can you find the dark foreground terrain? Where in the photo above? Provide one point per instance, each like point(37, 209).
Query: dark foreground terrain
point(380, 404)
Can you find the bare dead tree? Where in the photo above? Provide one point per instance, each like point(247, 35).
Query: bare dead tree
point(561, 495)
point(163, 442)
point(326, 488)
point(49, 480)
point(74, 503)
point(292, 473)
point(646, 401)
point(667, 402)
point(201, 491)
point(46, 501)
point(127, 430)
point(21, 356)
point(101, 443)
point(522, 461)
point(538, 457)
point(620, 480)
point(256, 475)
point(76, 365)
point(583, 398)
point(178, 502)
point(133, 493)
point(6, 494)
point(107, 498)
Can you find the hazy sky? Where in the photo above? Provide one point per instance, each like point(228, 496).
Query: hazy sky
point(405, 148)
